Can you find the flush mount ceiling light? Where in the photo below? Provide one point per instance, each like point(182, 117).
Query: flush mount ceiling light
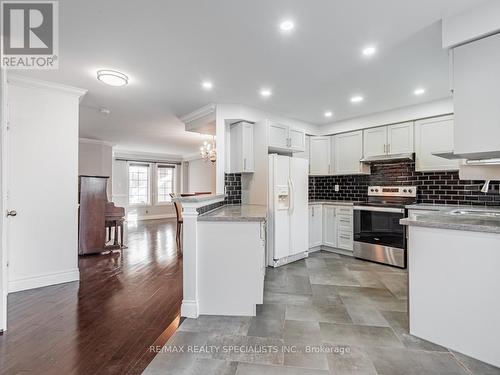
point(369, 51)
point(207, 85)
point(112, 77)
point(328, 114)
point(419, 91)
point(287, 26)
point(357, 99)
point(266, 93)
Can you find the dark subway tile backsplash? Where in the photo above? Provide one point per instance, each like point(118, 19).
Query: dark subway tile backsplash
point(432, 187)
point(232, 181)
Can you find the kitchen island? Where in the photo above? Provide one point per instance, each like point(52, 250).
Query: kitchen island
point(454, 279)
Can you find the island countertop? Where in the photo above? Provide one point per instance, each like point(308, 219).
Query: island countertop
point(480, 221)
point(238, 212)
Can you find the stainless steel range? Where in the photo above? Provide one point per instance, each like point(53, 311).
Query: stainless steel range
point(378, 236)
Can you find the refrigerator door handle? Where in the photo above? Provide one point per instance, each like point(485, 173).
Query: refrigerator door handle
point(292, 196)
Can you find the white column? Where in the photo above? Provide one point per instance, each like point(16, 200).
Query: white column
point(189, 307)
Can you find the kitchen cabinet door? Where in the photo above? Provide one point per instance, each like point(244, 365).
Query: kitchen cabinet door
point(315, 225)
point(400, 138)
point(319, 162)
point(278, 136)
point(434, 135)
point(304, 154)
point(329, 226)
point(348, 151)
point(297, 139)
point(242, 148)
point(476, 97)
point(375, 141)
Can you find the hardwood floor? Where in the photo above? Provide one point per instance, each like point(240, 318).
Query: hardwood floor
point(106, 323)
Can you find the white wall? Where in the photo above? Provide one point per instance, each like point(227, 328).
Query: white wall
point(201, 176)
point(43, 145)
point(420, 111)
point(95, 158)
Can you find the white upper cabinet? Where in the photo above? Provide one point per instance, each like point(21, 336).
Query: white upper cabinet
point(375, 141)
point(285, 138)
point(348, 151)
point(242, 148)
point(329, 226)
point(388, 140)
point(319, 156)
point(400, 138)
point(278, 136)
point(297, 139)
point(304, 154)
point(476, 98)
point(431, 136)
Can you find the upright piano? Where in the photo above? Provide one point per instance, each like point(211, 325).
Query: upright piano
point(94, 211)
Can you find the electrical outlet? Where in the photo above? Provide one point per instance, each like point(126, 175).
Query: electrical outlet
point(337, 188)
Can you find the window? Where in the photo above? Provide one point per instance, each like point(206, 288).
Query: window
point(138, 184)
point(165, 182)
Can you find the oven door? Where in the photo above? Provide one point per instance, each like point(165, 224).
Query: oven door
point(378, 235)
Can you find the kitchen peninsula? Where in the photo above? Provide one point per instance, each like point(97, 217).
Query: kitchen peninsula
point(454, 283)
point(224, 257)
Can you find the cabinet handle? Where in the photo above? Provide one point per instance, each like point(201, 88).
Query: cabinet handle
point(313, 210)
point(385, 148)
point(388, 148)
point(328, 168)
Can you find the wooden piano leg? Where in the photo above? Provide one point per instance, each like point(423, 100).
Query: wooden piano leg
point(116, 234)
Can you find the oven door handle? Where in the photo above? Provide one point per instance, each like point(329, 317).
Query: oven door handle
point(380, 209)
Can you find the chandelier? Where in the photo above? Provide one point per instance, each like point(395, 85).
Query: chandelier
point(208, 151)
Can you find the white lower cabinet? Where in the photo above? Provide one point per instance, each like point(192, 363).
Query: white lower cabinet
point(315, 225)
point(331, 226)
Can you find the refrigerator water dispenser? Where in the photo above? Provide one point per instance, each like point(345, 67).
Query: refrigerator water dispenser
point(282, 197)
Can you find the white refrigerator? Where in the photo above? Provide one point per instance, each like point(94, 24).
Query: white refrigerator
point(288, 224)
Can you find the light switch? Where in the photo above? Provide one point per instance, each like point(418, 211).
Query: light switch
point(337, 188)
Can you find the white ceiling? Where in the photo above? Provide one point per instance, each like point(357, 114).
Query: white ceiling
point(168, 47)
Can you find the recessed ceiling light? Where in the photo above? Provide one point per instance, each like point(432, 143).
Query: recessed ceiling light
point(207, 85)
point(357, 99)
point(287, 25)
point(369, 51)
point(112, 77)
point(419, 91)
point(266, 93)
point(328, 114)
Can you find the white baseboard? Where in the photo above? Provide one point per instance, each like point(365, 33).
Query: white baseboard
point(189, 309)
point(43, 280)
point(156, 217)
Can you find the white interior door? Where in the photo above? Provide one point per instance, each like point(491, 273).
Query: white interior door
point(42, 234)
point(3, 229)
point(299, 219)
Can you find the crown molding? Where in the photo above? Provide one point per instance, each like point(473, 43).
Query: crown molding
point(96, 142)
point(200, 113)
point(22, 81)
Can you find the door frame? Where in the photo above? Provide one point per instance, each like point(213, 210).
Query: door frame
point(4, 195)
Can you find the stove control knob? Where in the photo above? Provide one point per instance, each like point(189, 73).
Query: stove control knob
point(405, 191)
point(372, 190)
point(376, 190)
point(409, 191)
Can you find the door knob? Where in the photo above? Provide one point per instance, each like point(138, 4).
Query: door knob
point(11, 213)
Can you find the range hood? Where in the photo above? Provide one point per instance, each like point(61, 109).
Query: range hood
point(392, 157)
point(477, 158)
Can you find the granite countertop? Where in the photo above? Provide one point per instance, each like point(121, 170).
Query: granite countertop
point(449, 207)
point(336, 203)
point(238, 212)
point(446, 219)
point(198, 198)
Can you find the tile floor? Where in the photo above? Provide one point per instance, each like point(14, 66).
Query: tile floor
point(328, 314)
